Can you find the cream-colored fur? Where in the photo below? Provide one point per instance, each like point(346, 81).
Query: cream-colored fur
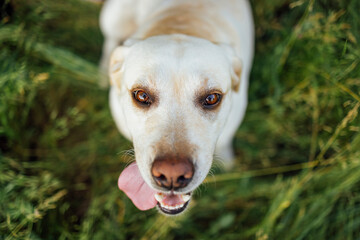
point(178, 49)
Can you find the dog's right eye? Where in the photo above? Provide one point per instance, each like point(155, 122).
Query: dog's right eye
point(212, 100)
point(142, 97)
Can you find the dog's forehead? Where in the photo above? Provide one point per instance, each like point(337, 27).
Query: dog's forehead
point(187, 59)
point(176, 44)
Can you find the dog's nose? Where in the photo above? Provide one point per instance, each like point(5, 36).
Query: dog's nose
point(172, 173)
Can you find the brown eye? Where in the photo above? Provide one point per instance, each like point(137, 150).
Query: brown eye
point(212, 100)
point(142, 97)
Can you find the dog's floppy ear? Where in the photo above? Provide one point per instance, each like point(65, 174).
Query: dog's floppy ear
point(117, 60)
point(116, 64)
point(236, 68)
point(236, 73)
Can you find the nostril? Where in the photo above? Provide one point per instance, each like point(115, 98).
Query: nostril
point(182, 180)
point(163, 181)
point(161, 178)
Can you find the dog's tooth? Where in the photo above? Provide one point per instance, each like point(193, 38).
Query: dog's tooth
point(185, 197)
point(159, 197)
point(179, 206)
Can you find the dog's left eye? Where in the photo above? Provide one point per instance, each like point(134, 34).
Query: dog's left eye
point(212, 100)
point(142, 97)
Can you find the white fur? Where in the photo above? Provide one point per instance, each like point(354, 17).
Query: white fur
point(176, 67)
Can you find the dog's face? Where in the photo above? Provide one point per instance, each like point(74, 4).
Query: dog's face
point(173, 98)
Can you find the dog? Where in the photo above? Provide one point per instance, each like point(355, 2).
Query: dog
point(179, 73)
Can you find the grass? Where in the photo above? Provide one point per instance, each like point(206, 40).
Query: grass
point(298, 169)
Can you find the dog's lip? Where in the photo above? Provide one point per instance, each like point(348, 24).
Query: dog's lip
point(172, 211)
point(172, 203)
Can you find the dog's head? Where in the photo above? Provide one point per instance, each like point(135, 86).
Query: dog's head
point(173, 97)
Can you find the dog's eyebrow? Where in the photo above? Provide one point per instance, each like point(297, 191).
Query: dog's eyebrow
point(147, 80)
point(208, 86)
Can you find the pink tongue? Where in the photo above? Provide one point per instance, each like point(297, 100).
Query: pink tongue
point(132, 183)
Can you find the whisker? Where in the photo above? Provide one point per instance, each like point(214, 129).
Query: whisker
point(129, 152)
point(218, 162)
point(128, 156)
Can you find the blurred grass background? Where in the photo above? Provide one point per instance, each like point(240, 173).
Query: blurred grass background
point(298, 169)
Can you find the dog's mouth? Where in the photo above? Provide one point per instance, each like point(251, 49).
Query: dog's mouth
point(144, 197)
point(172, 204)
